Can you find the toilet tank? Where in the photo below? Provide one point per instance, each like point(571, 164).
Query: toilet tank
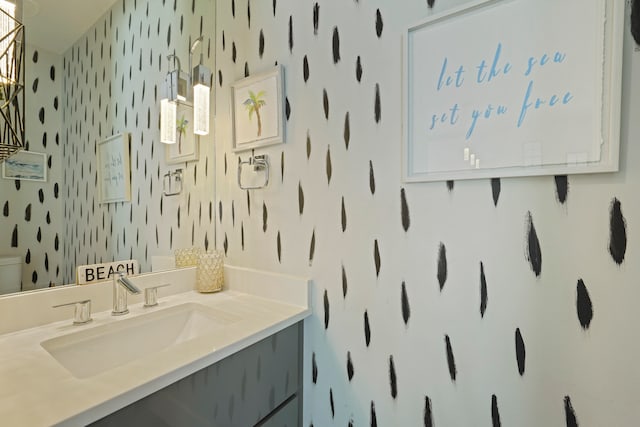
point(10, 274)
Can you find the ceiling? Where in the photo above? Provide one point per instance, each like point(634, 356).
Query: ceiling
point(54, 25)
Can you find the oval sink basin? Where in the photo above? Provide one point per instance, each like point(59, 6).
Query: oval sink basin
point(95, 350)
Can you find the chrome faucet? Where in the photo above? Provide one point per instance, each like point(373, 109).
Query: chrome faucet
point(122, 285)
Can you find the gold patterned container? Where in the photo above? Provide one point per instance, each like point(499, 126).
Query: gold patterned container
point(188, 257)
point(210, 272)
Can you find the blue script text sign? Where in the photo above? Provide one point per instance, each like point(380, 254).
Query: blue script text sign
point(513, 87)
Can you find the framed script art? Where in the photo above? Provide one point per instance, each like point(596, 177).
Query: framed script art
point(114, 172)
point(186, 147)
point(25, 165)
point(499, 88)
point(257, 110)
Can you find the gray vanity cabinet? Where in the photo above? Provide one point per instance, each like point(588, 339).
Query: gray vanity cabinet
point(257, 386)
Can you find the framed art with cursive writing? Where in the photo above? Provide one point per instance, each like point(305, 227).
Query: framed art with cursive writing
point(114, 172)
point(512, 88)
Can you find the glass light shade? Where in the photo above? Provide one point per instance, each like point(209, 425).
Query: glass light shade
point(201, 109)
point(168, 130)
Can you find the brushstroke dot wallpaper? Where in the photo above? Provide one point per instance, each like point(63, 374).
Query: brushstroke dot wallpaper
point(505, 301)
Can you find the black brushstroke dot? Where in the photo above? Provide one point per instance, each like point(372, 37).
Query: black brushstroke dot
point(617, 232)
point(333, 407)
point(316, 18)
point(442, 265)
point(358, 69)
point(14, 237)
point(343, 216)
point(377, 105)
point(314, 368)
point(562, 188)
point(583, 305)
point(451, 362)
point(279, 247)
point(305, 68)
point(349, 366)
point(329, 167)
point(287, 108)
point(404, 210)
point(495, 413)
point(379, 24)
point(570, 415)
point(483, 291)
point(431, 2)
point(376, 257)
point(336, 45)
point(326, 309)
point(520, 352)
point(495, 190)
point(312, 247)
point(374, 418)
point(428, 415)
point(261, 44)
point(406, 310)
point(450, 185)
point(635, 21)
point(249, 14)
point(367, 329)
point(347, 131)
point(264, 217)
point(372, 179)
point(534, 254)
point(325, 103)
point(344, 283)
point(392, 378)
point(300, 198)
point(290, 34)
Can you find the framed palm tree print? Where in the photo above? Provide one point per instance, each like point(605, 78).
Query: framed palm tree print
point(257, 110)
point(186, 147)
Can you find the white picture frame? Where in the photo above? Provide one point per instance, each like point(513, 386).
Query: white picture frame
point(25, 166)
point(257, 110)
point(561, 142)
point(186, 149)
point(114, 169)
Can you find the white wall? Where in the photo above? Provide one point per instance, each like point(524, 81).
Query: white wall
point(342, 221)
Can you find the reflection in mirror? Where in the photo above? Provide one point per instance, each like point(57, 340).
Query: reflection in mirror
point(11, 81)
point(108, 80)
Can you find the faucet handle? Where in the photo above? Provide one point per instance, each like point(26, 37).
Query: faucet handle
point(82, 312)
point(151, 295)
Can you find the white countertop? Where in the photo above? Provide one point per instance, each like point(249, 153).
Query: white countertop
point(38, 391)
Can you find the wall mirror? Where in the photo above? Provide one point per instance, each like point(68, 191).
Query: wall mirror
point(93, 70)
